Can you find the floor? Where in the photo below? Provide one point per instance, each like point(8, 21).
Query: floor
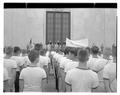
point(51, 83)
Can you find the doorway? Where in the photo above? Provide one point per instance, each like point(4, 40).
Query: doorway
point(57, 26)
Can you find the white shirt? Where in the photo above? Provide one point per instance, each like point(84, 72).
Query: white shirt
point(109, 72)
point(10, 64)
point(47, 54)
point(97, 65)
point(26, 61)
point(19, 60)
point(63, 62)
point(32, 77)
point(57, 57)
point(71, 65)
point(82, 80)
point(43, 61)
point(6, 77)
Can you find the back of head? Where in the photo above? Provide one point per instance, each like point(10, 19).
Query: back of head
point(33, 55)
point(95, 50)
point(9, 50)
point(67, 50)
point(17, 49)
point(73, 51)
point(38, 47)
point(83, 55)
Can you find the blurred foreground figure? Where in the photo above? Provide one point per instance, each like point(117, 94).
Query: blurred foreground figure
point(81, 79)
point(32, 78)
point(110, 74)
point(20, 63)
point(11, 66)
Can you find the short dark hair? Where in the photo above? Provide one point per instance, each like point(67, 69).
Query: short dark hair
point(95, 50)
point(9, 50)
point(17, 49)
point(33, 55)
point(38, 47)
point(67, 50)
point(83, 55)
point(73, 51)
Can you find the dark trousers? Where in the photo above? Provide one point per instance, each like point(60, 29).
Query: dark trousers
point(56, 78)
point(17, 81)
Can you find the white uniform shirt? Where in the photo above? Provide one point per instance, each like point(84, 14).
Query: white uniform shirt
point(43, 61)
point(82, 80)
point(47, 54)
point(32, 77)
point(97, 65)
point(10, 64)
point(19, 60)
point(109, 72)
point(71, 65)
point(63, 62)
point(6, 77)
point(26, 61)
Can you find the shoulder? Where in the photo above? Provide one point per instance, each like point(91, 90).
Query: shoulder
point(25, 69)
point(11, 61)
point(40, 69)
point(72, 71)
point(92, 73)
point(101, 60)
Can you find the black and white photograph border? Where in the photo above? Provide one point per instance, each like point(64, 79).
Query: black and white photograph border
point(47, 40)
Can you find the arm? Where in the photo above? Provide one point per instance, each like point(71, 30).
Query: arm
point(43, 84)
point(43, 81)
point(106, 77)
point(68, 87)
point(21, 85)
point(14, 74)
point(94, 89)
point(13, 78)
point(46, 70)
point(6, 86)
point(95, 82)
point(68, 82)
point(107, 85)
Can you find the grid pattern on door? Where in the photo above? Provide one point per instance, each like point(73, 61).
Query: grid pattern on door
point(57, 26)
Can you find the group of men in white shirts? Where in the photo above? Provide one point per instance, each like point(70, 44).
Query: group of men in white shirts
point(76, 70)
point(82, 71)
point(25, 72)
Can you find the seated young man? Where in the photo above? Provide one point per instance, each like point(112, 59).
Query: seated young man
point(10, 66)
point(32, 78)
point(110, 74)
point(20, 65)
point(81, 79)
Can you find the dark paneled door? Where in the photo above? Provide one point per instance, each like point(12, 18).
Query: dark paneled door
point(57, 26)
